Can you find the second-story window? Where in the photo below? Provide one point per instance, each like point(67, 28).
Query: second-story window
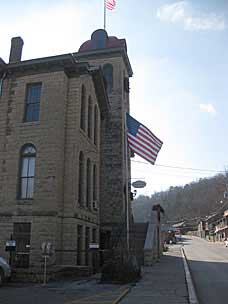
point(90, 117)
point(27, 172)
point(94, 182)
point(88, 183)
point(81, 180)
point(108, 75)
point(33, 94)
point(95, 125)
point(83, 108)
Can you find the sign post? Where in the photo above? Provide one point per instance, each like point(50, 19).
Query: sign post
point(47, 251)
point(45, 269)
point(10, 246)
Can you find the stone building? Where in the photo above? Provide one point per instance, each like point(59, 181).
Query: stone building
point(63, 156)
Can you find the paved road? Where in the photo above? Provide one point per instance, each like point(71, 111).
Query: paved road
point(209, 266)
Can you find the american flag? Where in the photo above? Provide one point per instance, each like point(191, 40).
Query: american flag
point(110, 4)
point(142, 141)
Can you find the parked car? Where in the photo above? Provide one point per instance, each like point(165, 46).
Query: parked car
point(171, 238)
point(5, 271)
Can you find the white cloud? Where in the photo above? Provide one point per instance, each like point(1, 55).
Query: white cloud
point(209, 108)
point(173, 12)
point(183, 13)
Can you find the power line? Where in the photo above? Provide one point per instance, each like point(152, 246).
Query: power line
point(176, 175)
point(181, 168)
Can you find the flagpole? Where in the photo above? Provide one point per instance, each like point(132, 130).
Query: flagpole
point(104, 16)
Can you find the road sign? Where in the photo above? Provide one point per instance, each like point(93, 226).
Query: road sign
point(47, 249)
point(93, 246)
point(139, 184)
point(10, 245)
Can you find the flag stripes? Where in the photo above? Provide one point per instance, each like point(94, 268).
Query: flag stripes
point(110, 4)
point(146, 140)
point(139, 150)
point(142, 141)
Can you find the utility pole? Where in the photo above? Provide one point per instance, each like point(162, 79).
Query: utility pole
point(158, 208)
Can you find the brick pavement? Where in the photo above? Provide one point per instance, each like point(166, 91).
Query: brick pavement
point(163, 283)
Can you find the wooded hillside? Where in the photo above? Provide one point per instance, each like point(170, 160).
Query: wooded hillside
point(197, 199)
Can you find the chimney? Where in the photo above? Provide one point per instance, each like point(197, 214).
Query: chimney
point(16, 49)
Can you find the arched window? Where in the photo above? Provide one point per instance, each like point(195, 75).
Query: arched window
point(89, 129)
point(83, 107)
point(27, 172)
point(81, 179)
point(108, 75)
point(94, 182)
point(88, 183)
point(95, 125)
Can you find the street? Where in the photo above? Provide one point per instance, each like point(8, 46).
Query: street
point(164, 282)
point(208, 264)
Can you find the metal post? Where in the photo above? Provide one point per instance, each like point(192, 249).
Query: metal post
point(45, 270)
point(127, 185)
point(10, 253)
point(104, 16)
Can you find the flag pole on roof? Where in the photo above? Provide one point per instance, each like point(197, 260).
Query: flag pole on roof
point(108, 4)
point(142, 141)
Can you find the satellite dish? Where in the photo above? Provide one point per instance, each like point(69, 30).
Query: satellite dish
point(139, 184)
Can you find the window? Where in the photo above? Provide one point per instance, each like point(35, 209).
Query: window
point(95, 125)
point(90, 117)
point(108, 75)
point(94, 183)
point(83, 96)
point(126, 85)
point(27, 172)
point(79, 245)
point(94, 254)
point(81, 179)
point(87, 240)
point(94, 235)
point(33, 93)
point(88, 183)
point(22, 233)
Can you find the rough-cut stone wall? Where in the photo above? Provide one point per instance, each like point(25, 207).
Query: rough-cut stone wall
point(113, 165)
point(53, 212)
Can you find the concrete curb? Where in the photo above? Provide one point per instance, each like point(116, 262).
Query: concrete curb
point(191, 289)
point(121, 296)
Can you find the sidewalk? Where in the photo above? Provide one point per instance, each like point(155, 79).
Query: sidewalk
point(163, 283)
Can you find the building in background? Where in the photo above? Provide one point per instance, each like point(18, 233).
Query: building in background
point(221, 229)
point(63, 172)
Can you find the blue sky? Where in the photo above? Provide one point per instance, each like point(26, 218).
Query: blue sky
point(178, 52)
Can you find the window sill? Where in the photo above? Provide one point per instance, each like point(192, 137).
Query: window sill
point(24, 201)
point(30, 123)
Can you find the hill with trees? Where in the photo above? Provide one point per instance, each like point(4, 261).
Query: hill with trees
point(194, 200)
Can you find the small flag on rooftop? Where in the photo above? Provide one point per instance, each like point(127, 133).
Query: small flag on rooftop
point(110, 4)
point(142, 141)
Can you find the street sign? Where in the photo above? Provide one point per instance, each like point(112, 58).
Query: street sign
point(93, 246)
point(47, 249)
point(139, 184)
point(10, 245)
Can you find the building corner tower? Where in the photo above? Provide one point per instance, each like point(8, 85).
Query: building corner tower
point(110, 53)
